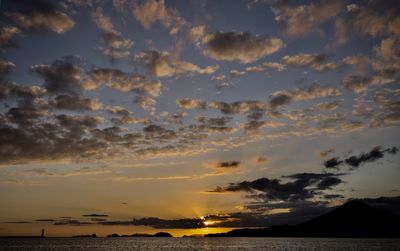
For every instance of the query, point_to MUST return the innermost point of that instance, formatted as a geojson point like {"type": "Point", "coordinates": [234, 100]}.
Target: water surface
{"type": "Point", "coordinates": [189, 244]}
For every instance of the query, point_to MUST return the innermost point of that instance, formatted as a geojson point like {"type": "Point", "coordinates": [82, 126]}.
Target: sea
{"type": "Point", "coordinates": [189, 244]}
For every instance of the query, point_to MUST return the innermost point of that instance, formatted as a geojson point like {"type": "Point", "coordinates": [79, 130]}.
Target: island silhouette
{"type": "Point", "coordinates": [159, 234]}
{"type": "Point", "coordinates": [354, 219]}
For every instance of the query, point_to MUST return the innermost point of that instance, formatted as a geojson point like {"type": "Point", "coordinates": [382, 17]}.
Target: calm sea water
{"type": "Point", "coordinates": [189, 244]}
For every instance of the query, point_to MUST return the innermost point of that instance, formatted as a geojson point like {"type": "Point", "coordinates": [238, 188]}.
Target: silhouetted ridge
{"type": "Point", "coordinates": [352, 219]}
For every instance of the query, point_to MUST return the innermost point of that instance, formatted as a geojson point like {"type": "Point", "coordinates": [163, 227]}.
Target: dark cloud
{"type": "Point", "coordinates": [228, 164]}
{"type": "Point", "coordinates": [304, 186]}
{"type": "Point", "coordinates": [95, 215]}
{"type": "Point", "coordinates": [69, 75]}
{"type": "Point", "coordinates": [12, 90]}
{"type": "Point", "coordinates": [119, 80]}
{"type": "Point", "coordinates": [32, 16]}
{"type": "Point", "coordinates": [242, 47]}
{"type": "Point", "coordinates": [355, 161]}
{"type": "Point", "coordinates": [45, 220]}
{"type": "Point", "coordinates": [239, 106]}
{"type": "Point", "coordinates": [75, 103]}
{"type": "Point", "coordinates": [159, 223]}
{"type": "Point", "coordinates": [72, 223]}
{"type": "Point", "coordinates": [158, 132]}
{"type": "Point", "coordinates": [333, 196]}
{"type": "Point", "coordinates": [332, 163]}
{"type": "Point", "coordinates": [314, 91]}
{"type": "Point", "coordinates": [65, 75]}
{"type": "Point", "coordinates": [373, 155]}
{"type": "Point", "coordinates": [214, 125]}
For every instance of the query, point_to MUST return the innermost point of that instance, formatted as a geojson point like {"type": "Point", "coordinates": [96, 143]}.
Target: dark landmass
{"type": "Point", "coordinates": [159, 234]}
{"type": "Point", "coordinates": [193, 236]}
{"type": "Point", "coordinates": [86, 236]}
{"type": "Point", "coordinates": [353, 219]}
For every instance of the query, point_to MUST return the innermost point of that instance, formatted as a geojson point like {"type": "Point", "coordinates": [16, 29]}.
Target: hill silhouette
{"type": "Point", "coordinates": [352, 219]}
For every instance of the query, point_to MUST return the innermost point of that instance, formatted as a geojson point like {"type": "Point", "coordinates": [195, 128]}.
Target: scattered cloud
{"type": "Point", "coordinates": [163, 64]}
{"type": "Point", "coordinates": [242, 47]}
{"type": "Point", "coordinates": [187, 103]}
{"type": "Point", "coordinates": [302, 20]}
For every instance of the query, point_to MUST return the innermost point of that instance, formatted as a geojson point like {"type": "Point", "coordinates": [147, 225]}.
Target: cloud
{"type": "Point", "coordinates": [188, 103]}
{"type": "Point", "coordinates": [163, 64]}
{"type": "Point", "coordinates": [158, 132]}
{"type": "Point", "coordinates": [238, 107]}
{"type": "Point", "coordinates": [150, 12]}
{"type": "Point", "coordinates": [355, 161]}
{"type": "Point", "coordinates": [265, 66]}
{"type": "Point", "coordinates": [242, 47]}
{"type": "Point", "coordinates": [84, 171]}
{"type": "Point", "coordinates": [159, 223]}
{"type": "Point", "coordinates": [130, 120]}
{"type": "Point", "coordinates": [262, 159]}
{"type": "Point", "coordinates": [45, 220]}
{"type": "Point", "coordinates": [65, 75]}
{"type": "Point", "coordinates": [58, 138]}
{"type": "Point", "coordinates": [35, 21]}
{"type": "Point", "coordinates": [72, 222]}
{"type": "Point", "coordinates": [254, 125]}
{"type": "Point", "coordinates": [76, 103]}
{"type": "Point", "coordinates": [304, 19]}
{"type": "Point", "coordinates": [224, 164]}
{"type": "Point", "coordinates": [360, 84]}
{"type": "Point", "coordinates": [374, 18]}
{"type": "Point", "coordinates": [6, 35]}
{"type": "Point", "coordinates": [124, 82]}
{"type": "Point", "coordinates": [118, 110]}
{"type": "Point", "coordinates": [11, 90]}
{"type": "Point", "coordinates": [387, 49]}
{"type": "Point", "coordinates": [375, 154]}
{"type": "Point", "coordinates": [95, 215]}
{"type": "Point", "coordinates": [315, 61]}
{"type": "Point", "coordinates": [196, 33]}
{"type": "Point", "coordinates": [304, 186]}
{"type": "Point", "coordinates": [146, 102]}
{"type": "Point", "coordinates": [117, 46]}
{"type": "Point", "coordinates": [68, 76]}
{"type": "Point", "coordinates": [5, 67]}
{"type": "Point", "coordinates": [326, 152]}
{"type": "Point", "coordinates": [280, 98]}
{"type": "Point", "coordinates": [76, 121]}
{"type": "Point", "coordinates": [214, 125]}
{"type": "Point", "coordinates": [341, 32]}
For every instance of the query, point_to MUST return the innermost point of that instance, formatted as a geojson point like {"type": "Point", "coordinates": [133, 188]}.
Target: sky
{"type": "Point", "coordinates": [197, 116]}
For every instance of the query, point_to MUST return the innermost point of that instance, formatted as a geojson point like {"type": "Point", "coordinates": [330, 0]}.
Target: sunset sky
{"type": "Point", "coordinates": [194, 116]}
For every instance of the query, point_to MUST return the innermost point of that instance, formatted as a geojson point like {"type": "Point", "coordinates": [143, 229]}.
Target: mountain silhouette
{"type": "Point", "coordinates": [353, 219]}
